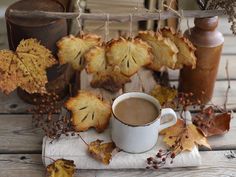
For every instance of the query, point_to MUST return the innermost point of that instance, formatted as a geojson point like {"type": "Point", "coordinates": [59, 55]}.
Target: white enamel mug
{"type": "Point", "coordinates": [141, 138]}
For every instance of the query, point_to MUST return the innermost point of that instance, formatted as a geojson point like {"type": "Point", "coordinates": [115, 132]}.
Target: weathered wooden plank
{"type": "Point", "coordinates": [16, 165]}
{"type": "Point", "coordinates": [12, 104]}
{"type": "Point", "coordinates": [219, 94]}
{"type": "Point", "coordinates": [17, 135]}
{"type": "Point", "coordinates": [220, 91]}
{"type": "Point", "coordinates": [174, 74]}
{"type": "Point", "coordinates": [214, 163]}
{"type": "Point", "coordinates": [229, 45]}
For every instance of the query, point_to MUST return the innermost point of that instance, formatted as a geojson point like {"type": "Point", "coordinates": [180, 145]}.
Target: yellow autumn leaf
{"type": "Point", "coordinates": [183, 137]}
{"type": "Point", "coordinates": [101, 151]}
{"type": "Point", "coordinates": [164, 95]}
{"type": "Point", "coordinates": [61, 168]}
{"type": "Point", "coordinates": [25, 68]}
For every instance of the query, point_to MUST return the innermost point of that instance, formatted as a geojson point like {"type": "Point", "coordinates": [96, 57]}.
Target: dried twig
{"type": "Point", "coordinates": [124, 17]}
{"type": "Point", "coordinates": [228, 88]}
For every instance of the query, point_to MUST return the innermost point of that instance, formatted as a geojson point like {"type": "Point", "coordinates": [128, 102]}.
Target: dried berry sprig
{"type": "Point", "coordinates": [202, 4]}
{"type": "Point", "coordinates": [160, 159]}
{"type": "Point", "coordinates": [50, 116]}
{"type": "Point", "coordinates": [228, 6]}
{"type": "Point", "coordinates": [230, 9]}
{"type": "Point", "coordinates": [183, 102]}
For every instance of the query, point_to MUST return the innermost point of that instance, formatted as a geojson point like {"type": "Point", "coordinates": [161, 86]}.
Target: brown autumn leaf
{"type": "Point", "coordinates": [112, 81]}
{"type": "Point", "coordinates": [25, 68]}
{"type": "Point", "coordinates": [186, 135]}
{"type": "Point", "coordinates": [211, 124]}
{"type": "Point", "coordinates": [101, 151]}
{"type": "Point", "coordinates": [165, 95]}
{"type": "Point", "coordinates": [61, 168]}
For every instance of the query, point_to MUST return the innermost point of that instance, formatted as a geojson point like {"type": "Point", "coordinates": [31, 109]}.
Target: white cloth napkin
{"type": "Point", "coordinates": [73, 148]}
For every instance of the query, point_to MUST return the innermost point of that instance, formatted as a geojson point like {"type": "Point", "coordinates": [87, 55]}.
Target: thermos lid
{"type": "Point", "coordinates": [29, 5]}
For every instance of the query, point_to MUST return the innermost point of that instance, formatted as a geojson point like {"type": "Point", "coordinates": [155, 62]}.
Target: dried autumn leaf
{"type": "Point", "coordinates": [61, 168]}
{"type": "Point", "coordinates": [187, 135]}
{"type": "Point", "coordinates": [71, 49]}
{"type": "Point", "coordinates": [101, 151]}
{"type": "Point", "coordinates": [26, 68]}
{"type": "Point", "coordinates": [211, 124]}
{"type": "Point", "coordinates": [110, 80]}
{"type": "Point", "coordinates": [163, 49]}
{"type": "Point", "coordinates": [96, 59]}
{"type": "Point", "coordinates": [88, 110]}
{"type": "Point", "coordinates": [165, 95]}
{"type": "Point", "coordinates": [129, 55]}
{"type": "Point", "coordinates": [186, 49]}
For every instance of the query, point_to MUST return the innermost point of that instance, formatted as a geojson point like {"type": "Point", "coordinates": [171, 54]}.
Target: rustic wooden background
{"type": "Point", "coordinates": [20, 142]}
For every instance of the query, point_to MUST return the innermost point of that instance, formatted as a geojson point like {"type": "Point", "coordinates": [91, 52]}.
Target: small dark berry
{"type": "Point", "coordinates": [155, 167]}
{"type": "Point", "coordinates": [158, 155]}
{"type": "Point", "coordinates": [155, 162]}
{"type": "Point", "coordinates": [172, 155]}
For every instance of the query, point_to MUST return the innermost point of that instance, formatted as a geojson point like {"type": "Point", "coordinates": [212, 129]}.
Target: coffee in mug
{"type": "Point", "coordinates": [136, 121]}
{"type": "Point", "coordinates": [136, 111]}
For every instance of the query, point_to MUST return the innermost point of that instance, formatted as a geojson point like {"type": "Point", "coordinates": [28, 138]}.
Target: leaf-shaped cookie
{"type": "Point", "coordinates": [61, 168]}
{"type": "Point", "coordinates": [89, 111]}
{"type": "Point", "coordinates": [26, 68]}
{"type": "Point", "coordinates": [96, 59]}
{"type": "Point", "coordinates": [164, 50]}
{"type": "Point", "coordinates": [111, 80]}
{"type": "Point", "coordinates": [101, 151]}
{"type": "Point", "coordinates": [186, 49]}
{"type": "Point", "coordinates": [129, 55]}
{"type": "Point", "coordinates": [71, 49]}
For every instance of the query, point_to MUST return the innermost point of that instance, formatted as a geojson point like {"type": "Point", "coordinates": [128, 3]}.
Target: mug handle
{"type": "Point", "coordinates": [170, 113]}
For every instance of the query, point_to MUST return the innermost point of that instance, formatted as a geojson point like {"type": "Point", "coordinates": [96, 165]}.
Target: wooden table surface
{"type": "Point", "coordinates": [21, 143]}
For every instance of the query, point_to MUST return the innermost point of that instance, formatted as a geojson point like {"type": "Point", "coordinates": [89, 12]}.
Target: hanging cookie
{"type": "Point", "coordinates": [71, 49]}
{"type": "Point", "coordinates": [129, 54]}
{"type": "Point", "coordinates": [163, 49]}
{"type": "Point", "coordinates": [186, 49]}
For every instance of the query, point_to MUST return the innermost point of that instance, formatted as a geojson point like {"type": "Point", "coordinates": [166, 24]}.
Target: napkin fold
{"type": "Point", "coordinates": [73, 148]}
